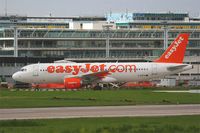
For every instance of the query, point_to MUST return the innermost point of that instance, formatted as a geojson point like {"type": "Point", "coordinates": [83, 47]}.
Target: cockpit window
{"type": "Point", "coordinates": [23, 69]}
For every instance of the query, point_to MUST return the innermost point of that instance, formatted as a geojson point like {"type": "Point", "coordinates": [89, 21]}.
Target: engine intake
{"type": "Point", "coordinates": [73, 83]}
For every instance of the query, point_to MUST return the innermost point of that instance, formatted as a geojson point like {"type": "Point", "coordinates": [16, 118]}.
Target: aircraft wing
{"type": "Point", "coordinates": [174, 68]}
{"type": "Point", "coordinates": [91, 77]}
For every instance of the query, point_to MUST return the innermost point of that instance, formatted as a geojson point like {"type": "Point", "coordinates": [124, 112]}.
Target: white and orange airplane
{"type": "Point", "coordinates": [73, 75]}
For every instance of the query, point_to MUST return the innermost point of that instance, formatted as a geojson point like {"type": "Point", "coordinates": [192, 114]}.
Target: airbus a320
{"type": "Point", "coordinates": [73, 75]}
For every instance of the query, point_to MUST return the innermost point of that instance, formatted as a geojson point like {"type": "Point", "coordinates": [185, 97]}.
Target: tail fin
{"type": "Point", "coordinates": [176, 51]}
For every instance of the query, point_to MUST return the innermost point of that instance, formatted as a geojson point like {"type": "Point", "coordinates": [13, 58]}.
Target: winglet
{"type": "Point", "coordinates": [176, 51]}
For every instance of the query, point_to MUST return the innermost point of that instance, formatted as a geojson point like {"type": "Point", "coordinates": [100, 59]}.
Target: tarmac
{"type": "Point", "coordinates": [100, 111]}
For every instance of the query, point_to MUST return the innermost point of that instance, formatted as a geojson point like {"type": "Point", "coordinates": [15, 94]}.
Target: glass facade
{"type": "Point", "coordinates": [92, 43]}
{"type": "Point", "coordinates": [160, 16]}
{"type": "Point", "coordinates": [130, 17]}
{"type": "Point", "coordinates": [159, 25]}
{"type": "Point", "coordinates": [51, 37]}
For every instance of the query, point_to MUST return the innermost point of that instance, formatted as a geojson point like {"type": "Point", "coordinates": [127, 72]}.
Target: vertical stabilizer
{"type": "Point", "coordinates": [176, 51]}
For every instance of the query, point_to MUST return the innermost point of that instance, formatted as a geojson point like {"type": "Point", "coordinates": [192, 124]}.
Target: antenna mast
{"type": "Point", "coordinates": [6, 13]}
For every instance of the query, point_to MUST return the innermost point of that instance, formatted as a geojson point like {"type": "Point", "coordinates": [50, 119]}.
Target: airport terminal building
{"type": "Point", "coordinates": [129, 36]}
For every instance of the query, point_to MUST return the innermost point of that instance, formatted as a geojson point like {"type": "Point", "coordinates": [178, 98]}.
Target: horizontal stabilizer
{"type": "Point", "coordinates": [174, 68]}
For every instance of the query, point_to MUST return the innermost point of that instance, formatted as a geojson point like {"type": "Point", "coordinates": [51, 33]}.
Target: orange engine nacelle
{"type": "Point", "coordinates": [73, 83]}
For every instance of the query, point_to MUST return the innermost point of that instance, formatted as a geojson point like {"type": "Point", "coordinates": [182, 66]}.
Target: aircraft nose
{"type": "Point", "coordinates": [16, 76]}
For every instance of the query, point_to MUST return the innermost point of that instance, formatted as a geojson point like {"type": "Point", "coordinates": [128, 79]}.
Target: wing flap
{"type": "Point", "coordinates": [92, 77]}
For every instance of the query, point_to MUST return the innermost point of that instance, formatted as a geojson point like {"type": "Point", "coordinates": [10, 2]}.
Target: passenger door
{"type": "Point", "coordinates": [36, 70]}
{"type": "Point", "coordinates": [154, 70]}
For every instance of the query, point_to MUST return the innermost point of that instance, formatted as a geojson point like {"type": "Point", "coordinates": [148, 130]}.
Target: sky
{"type": "Point", "coordinates": [61, 8]}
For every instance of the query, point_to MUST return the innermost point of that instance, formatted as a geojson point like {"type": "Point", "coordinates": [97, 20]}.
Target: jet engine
{"type": "Point", "coordinates": [72, 83]}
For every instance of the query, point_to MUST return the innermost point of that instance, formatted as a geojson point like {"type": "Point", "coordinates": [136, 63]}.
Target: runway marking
{"type": "Point", "coordinates": [100, 111]}
{"type": "Point", "coordinates": [181, 91]}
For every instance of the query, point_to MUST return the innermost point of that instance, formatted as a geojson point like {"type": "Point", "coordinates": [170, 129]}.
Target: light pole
{"type": "Point", "coordinates": [15, 42]}
{"type": "Point", "coordinates": [166, 30]}
{"type": "Point", "coordinates": [107, 27]}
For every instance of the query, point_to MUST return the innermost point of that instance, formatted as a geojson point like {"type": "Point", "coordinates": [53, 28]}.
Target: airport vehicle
{"type": "Point", "coordinates": [73, 75]}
